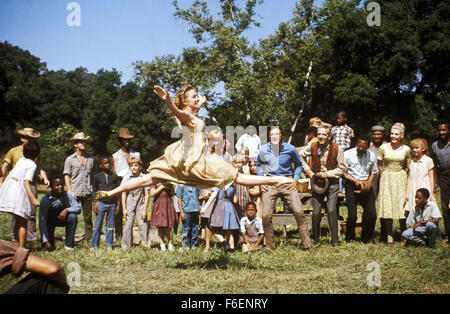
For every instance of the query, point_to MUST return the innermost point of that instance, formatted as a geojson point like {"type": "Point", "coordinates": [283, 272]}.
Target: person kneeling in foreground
{"type": "Point", "coordinates": [46, 277]}
{"type": "Point", "coordinates": [251, 229]}
{"type": "Point", "coordinates": [424, 220]}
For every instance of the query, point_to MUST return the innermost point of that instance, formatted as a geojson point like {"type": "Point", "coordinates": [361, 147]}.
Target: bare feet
{"type": "Point", "coordinates": [101, 195]}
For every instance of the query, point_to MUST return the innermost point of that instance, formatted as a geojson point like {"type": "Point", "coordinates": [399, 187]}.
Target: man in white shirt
{"type": "Point", "coordinates": [361, 169]}
{"type": "Point", "coordinates": [121, 168]}
{"type": "Point", "coordinates": [250, 140]}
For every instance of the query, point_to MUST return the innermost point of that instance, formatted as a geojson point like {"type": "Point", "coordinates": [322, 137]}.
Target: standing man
{"type": "Point", "coordinates": [10, 160]}
{"type": "Point", "coordinates": [78, 176]}
{"type": "Point", "coordinates": [326, 162]}
{"type": "Point", "coordinates": [361, 169]}
{"type": "Point", "coordinates": [250, 140]}
{"type": "Point", "coordinates": [377, 141]}
{"type": "Point", "coordinates": [121, 168]}
{"type": "Point", "coordinates": [440, 151]}
{"type": "Point", "coordinates": [275, 159]}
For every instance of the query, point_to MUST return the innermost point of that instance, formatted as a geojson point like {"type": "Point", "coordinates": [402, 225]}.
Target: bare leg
{"type": "Point", "coordinates": [161, 233]}
{"type": "Point", "coordinates": [252, 180]}
{"type": "Point", "coordinates": [20, 230]}
{"type": "Point", "coordinates": [208, 235]}
{"type": "Point", "coordinates": [169, 235]}
{"type": "Point", "coordinates": [131, 185]}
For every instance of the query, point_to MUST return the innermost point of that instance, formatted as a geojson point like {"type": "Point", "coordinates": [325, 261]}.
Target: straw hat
{"type": "Point", "coordinates": [365, 187]}
{"type": "Point", "coordinates": [29, 132]}
{"type": "Point", "coordinates": [319, 185]}
{"type": "Point", "coordinates": [125, 133]}
{"type": "Point", "coordinates": [80, 137]}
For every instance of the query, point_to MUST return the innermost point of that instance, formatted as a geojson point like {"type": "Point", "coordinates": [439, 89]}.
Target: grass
{"type": "Point", "coordinates": [286, 270]}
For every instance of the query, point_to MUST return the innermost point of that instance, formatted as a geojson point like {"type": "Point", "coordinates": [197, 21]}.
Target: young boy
{"type": "Point", "coordinates": [189, 205]}
{"type": "Point", "coordinates": [135, 204]}
{"type": "Point", "coordinates": [251, 229]}
{"type": "Point", "coordinates": [105, 180]}
{"type": "Point", "coordinates": [342, 133]}
{"type": "Point", "coordinates": [424, 221]}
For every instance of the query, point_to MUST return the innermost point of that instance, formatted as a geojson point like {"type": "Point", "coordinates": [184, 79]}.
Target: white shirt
{"type": "Point", "coordinates": [429, 212]}
{"type": "Point", "coordinates": [121, 163]}
{"type": "Point", "coordinates": [252, 142]}
{"type": "Point", "coordinates": [246, 221]}
{"type": "Point", "coordinates": [360, 167]}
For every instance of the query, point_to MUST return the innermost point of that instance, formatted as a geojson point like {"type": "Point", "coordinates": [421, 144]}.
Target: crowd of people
{"type": "Point", "coordinates": [228, 195]}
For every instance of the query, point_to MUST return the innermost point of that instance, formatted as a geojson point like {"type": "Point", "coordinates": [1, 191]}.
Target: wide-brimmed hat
{"type": "Point", "coordinates": [80, 137]}
{"type": "Point", "coordinates": [319, 185]}
{"type": "Point", "coordinates": [365, 187]}
{"type": "Point", "coordinates": [125, 133]}
{"type": "Point", "coordinates": [29, 132]}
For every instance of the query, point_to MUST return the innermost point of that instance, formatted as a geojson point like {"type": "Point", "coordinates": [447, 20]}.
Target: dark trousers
{"type": "Point", "coordinates": [71, 226]}
{"type": "Point", "coordinates": [318, 203]}
{"type": "Point", "coordinates": [369, 217]}
{"type": "Point", "coordinates": [35, 284]}
{"type": "Point", "coordinates": [444, 185]}
{"type": "Point", "coordinates": [86, 205]}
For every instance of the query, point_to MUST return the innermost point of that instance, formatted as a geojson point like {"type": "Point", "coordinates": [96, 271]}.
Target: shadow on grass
{"type": "Point", "coordinates": [219, 262]}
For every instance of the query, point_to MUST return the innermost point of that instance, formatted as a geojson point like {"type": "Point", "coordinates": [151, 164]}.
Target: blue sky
{"type": "Point", "coordinates": [113, 33]}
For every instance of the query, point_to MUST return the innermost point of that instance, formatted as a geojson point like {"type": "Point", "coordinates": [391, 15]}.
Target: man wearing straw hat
{"type": "Point", "coordinates": [78, 174]}
{"type": "Point", "coordinates": [10, 160]}
{"type": "Point", "coordinates": [121, 168]}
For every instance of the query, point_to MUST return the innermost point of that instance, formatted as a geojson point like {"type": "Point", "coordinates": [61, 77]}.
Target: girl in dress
{"type": "Point", "coordinates": [164, 216]}
{"type": "Point", "coordinates": [420, 172]}
{"type": "Point", "coordinates": [186, 161]}
{"type": "Point", "coordinates": [16, 196]}
{"type": "Point", "coordinates": [393, 160]}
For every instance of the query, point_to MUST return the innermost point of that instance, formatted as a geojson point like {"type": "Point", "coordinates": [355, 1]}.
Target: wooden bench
{"type": "Point", "coordinates": [289, 219]}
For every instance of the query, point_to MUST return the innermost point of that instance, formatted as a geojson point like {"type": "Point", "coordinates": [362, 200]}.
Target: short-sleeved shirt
{"type": "Point", "coordinates": [252, 142]}
{"type": "Point", "coordinates": [360, 167]}
{"type": "Point", "coordinates": [121, 164]}
{"type": "Point", "coordinates": [13, 156]}
{"type": "Point", "coordinates": [342, 135]}
{"type": "Point", "coordinates": [12, 258]}
{"type": "Point", "coordinates": [106, 182]}
{"type": "Point", "coordinates": [245, 221]}
{"type": "Point", "coordinates": [441, 156]}
{"type": "Point", "coordinates": [189, 198]}
{"type": "Point", "coordinates": [430, 211]}
{"type": "Point", "coordinates": [81, 177]}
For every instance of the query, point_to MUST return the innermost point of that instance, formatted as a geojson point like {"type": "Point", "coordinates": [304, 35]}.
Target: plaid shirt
{"type": "Point", "coordinates": [81, 177]}
{"type": "Point", "coordinates": [342, 135]}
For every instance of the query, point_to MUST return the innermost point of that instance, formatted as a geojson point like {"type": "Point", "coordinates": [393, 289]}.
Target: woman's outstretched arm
{"type": "Point", "coordinates": [128, 186]}
{"type": "Point", "coordinates": [165, 96]}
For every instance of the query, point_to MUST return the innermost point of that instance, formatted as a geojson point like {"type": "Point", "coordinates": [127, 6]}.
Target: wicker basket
{"type": "Point", "coordinates": [302, 185]}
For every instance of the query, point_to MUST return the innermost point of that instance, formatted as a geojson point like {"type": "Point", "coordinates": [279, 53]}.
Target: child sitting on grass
{"type": "Point", "coordinates": [424, 221]}
{"type": "Point", "coordinates": [251, 229]}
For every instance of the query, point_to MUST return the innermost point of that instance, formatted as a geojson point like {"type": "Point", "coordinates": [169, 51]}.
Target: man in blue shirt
{"type": "Point", "coordinates": [58, 208]}
{"type": "Point", "coordinates": [275, 159]}
{"type": "Point", "coordinates": [189, 206]}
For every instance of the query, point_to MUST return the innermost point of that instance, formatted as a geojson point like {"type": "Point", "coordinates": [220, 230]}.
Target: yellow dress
{"type": "Point", "coordinates": [185, 162]}
{"type": "Point", "coordinates": [393, 182]}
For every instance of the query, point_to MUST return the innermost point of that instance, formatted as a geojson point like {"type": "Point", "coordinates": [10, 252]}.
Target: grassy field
{"type": "Point", "coordinates": [285, 270]}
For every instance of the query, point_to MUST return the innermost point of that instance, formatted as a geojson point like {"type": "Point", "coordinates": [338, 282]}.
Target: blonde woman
{"type": "Point", "coordinates": [393, 160]}
{"type": "Point", "coordinates": [186, 162]}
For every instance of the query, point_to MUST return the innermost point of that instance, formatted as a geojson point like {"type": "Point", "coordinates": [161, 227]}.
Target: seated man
{"type": "Point", "coordinates": [424, 221]}
{"type": "Point", "coordinates": [58, 209]}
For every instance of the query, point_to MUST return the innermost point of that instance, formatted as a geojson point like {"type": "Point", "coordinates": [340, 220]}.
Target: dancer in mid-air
{"type": "Point", "coordinates": [186, 161]}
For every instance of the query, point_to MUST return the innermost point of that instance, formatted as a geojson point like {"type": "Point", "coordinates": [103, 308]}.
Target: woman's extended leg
{"type": "Point", "coordinates": [130, 185]}
{"type": "Point", "coordinates": [252, 180]}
